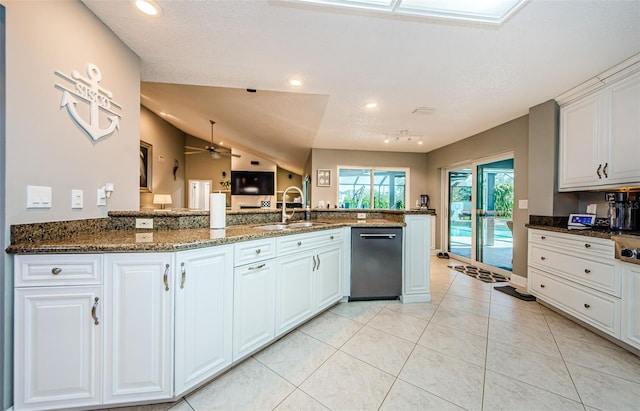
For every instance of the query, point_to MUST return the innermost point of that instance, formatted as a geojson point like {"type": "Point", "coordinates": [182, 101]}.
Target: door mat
{"type": "Point", "coordinates": [507, 289]}
{"type": "Point", "coordinates": [480, 274]}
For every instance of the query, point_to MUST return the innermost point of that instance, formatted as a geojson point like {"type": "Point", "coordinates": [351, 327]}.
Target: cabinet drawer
{"type": "Point", "coordinates": [600, 310]}
{"type": "Point", "coordinates": [600, 275]}
{"type": "Point", "coordinates": [57, 270]}
{"type": "Point", "coordinates": [591, 246]}
{"type": "Point", "coordinates": [302, 242]}
{"type": "Point", "coordinates": [252, 251]}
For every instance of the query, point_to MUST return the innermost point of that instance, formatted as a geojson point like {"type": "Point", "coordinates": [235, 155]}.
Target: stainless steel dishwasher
{"type": "Point", "coordinates": [376, 263]}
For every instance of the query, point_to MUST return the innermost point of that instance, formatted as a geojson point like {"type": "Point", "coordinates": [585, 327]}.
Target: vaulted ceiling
{"type": "Point", "coordinates": [200, 57]}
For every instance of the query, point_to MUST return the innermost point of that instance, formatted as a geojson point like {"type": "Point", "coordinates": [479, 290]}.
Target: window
{"type": "Point", "coordinates": [372, 188]}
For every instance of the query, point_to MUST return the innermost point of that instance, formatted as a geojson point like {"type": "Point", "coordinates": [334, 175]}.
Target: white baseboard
{"type": "Point", "coordinates": [518, 280]}
{"type": "Point", "coordinates": [416, 298]}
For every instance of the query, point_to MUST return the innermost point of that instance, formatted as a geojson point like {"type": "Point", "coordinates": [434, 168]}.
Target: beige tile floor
{"type": "Point", "coordinates": [472, 348]}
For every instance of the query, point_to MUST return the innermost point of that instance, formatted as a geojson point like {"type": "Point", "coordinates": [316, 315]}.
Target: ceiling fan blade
{"type": "Point", "coordinates": [195, 148]}
{"type": "Point", "coordinates": [193, 152]}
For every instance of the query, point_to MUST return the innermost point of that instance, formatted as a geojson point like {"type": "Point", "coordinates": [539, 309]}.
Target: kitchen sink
{"type": "Point", "coordinates": [301, 224]}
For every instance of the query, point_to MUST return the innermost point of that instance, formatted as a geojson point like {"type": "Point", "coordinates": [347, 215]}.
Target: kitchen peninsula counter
{"type": "Point", "coordinates": [177, 230]}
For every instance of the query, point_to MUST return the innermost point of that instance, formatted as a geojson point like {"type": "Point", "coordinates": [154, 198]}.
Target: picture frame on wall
{"type": "Point", "coordinates": [323, 178]}
{"type": "Point", "coordinates": [146, 157]}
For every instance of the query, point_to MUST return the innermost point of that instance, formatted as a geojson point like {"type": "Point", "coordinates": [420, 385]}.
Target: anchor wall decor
{"type": "Point", "coordinates": [99, 99]}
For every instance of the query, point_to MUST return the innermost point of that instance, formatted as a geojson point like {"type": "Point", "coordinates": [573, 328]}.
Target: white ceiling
{"type": "Point", "coordinates": [198, 58]}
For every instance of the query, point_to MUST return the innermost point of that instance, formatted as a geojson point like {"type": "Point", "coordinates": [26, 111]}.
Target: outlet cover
{"type": "Point", "coordinates": [523, 204]}
{"type": "Point", "coordinates": [362, 216]}
{"type": "Point", "coordinates": [144, 223]}
{"type": "Point", "coordinates": [77, 199]}
{"type": "Point", "coordinates": [39, 197]}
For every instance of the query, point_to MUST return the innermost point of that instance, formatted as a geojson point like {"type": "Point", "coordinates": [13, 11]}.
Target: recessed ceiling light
{"type": "Point", "coordinates": [148, 7]}
{"type": "Point", "coordinates": [371, 104]}
{"type": "Point", "coordinates": [295, 82]}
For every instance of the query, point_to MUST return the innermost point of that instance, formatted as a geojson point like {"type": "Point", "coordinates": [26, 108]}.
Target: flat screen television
{"type": "Point", "coordinates": [252, 183]}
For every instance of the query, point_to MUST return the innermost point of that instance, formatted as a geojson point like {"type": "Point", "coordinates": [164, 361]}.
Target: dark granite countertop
{"type": "Point", "coordinates": [598, 233]}
{"type": "Point", "coordinates": [112, 240]}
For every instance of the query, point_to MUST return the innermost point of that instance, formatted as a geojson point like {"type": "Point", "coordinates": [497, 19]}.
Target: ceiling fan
{"type": "Point", "coordinates": [216, 152]}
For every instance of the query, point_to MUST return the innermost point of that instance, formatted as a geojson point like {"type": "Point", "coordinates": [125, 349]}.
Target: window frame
{"type": "Point", "coordinates": [372, 186]}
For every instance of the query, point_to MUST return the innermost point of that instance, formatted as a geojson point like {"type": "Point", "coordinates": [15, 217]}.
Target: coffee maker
{"type": "Point", "coordinates": [424, 201]}
{"type": "Point", "coordinates": [623, 210]}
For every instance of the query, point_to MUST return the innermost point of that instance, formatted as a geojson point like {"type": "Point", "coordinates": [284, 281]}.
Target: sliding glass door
{"type": "Point", "coordinates": [480, 209]}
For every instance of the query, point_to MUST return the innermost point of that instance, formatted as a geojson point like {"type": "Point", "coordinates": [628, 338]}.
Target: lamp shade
{"type": "Point", "coordinates": [162, 199]}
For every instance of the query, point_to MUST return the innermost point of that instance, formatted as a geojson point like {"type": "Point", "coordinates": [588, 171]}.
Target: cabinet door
{"type": "Point", "coordinates": [581, 129]}
{"type": "Point", "coordinates": [623, 166]}
{"type": "Point", "coordinates": [417, 258]}
{"type": "Point", "coordinates": [253, 307]}
{"type": "Point", "coordinates": [328, 276]}
{"type": "Point", "coordinates": [139, 324]}
{"type": "Point", "coordinates": [294, 290]}
{"type": "Point", "coordinates": [58, 347]}
{"type": "Point", "coordinates": [631, 302]}
{"type": "Point", "coordinates": [204, 304]}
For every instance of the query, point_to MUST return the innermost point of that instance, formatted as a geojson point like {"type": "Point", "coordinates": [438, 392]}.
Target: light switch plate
{"type": "Point", "coordinates": [523, 204]}
{"type": "Point", "coordinates": [39, 197]}
{"type": "Point", "coordinates": [77, 198]}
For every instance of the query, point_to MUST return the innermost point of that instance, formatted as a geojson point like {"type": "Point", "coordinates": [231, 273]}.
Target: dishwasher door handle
{"type": "Point", "coordinates": [388, 236]}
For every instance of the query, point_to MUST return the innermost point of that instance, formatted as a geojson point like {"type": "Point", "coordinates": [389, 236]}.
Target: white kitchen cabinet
{"type": "Point", "coordinates": [308, 276]}
{"type": "Point", "coordinates": [203, 289]}
{"type": "Point", "coordinates": [576, 274]}
{"type": "Point", "coordinates": [294, 290]}
{"type": "Point", "coordinates": [138, 327]}
{"type": "Point", "coordinates": [599, 138]}
{"type": "Point", "coordinates": [328, 279]}
{"type": "Point", "coordinates": [417, 258]}
{"type": "Point", "coordinates": [58, 347]}
{"type": "Point", "coordinates": [253, 304]}
{"type": "Point", "coordinates": [631, 304]}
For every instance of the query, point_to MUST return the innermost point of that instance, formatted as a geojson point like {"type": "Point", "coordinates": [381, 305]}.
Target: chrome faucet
{"type": "Point", "coordinates": [285, 216]}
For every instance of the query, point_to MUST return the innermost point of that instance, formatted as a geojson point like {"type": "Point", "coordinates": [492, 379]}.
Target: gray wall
{"type": "Point", "coordinates": [511, 136]}
{"type": "Point", "coordinates": [330, 159]}
{"type": "Point", "coordinates": [544, 198]}
{"type": "Point", "coordinates": [43, 146]}
{"type": "Point", "coordinates": [168, 147]}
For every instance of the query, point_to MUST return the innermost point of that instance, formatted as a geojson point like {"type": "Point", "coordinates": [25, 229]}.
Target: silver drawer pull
{"type": "Point", "coordinates": [258, 251]}
{"type": "Point", "coordinates": [331, 238]}
{"type": "Point", "coordinates": [587, 306]}
{"type": "Point", "coordinates": [93, 311]}
{"type": "Point", "coordinates": [184, 276]}
{"type": "Point", "coordinates": [299, 243]}
{"type": "Point", "coordinates": [587, 271]}
{"type": "Point", "coordinates": [543, 258]}
{"type": "Point", "coordinates": [587, 245]}
{"type": "Point", "coordinates": [166, 277]}
{"type": "Point", "coordinates": [56, 270]}
{"type": "Point", "coordinates": [258, 267]}
{"type": "Point", "coordinates": [542, 285]}
{"type": "Point", "coordinates": [543, 238]}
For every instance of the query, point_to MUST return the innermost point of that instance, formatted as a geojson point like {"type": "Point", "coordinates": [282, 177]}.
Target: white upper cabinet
{"type": "Point", "coordinates": [599, 136]}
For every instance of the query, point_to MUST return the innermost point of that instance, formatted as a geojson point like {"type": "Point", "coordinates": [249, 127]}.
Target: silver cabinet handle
{"type": "Point", "coordinates": [543, 237]}
{"type": "Point", "coordinates": [93, 311]}
{"type": "Point", "coordinates": [318, 267]}
{"type": "Point", "coordinates": [604, 170]}
{"type": "Point", "coordinates": [598, 171]}
{"type": "Point", "coordinates": [166, 277]}
{"type": "Point", "coordinates": [543, 258]}
{"type": "Point", "coordinates": [56, 270]}
{"type": "Point", "coordinates": [587, 271]}
{"type": "Point", "coordinates": [299, 243]}
{"type": "Point", "coordinates": [587, 245]}
{"type": "Point", "coordinates": [389, 236]}
{"type": "Point", "coordinates": [314, 263]}
{"type": "Point", "coordinates": [258, 251]}
{"type": "Point", "coordinates": [331, 238]}
{"type": "Point", "coordinates": [184, 276]}
{"type": "Point", "coordinates": [542, 285]}
{"type": "Point", "coordinates": [587, 306]}
{"type": "Point", "coordinates": [258, 267]}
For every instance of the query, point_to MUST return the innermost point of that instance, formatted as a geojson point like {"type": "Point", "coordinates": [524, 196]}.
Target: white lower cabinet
{"type": "Point", "coordinates": [58, 347]}
{"type": "Point", "coordinates": [417, 259]}
{"type": "Point", "coordinates": [631, 304]}
{"type": "Point", "coordinates": [253, 307]}
{"type": "Point", "coordinates": [328, 282]}
{"type": "Point", "coordinates": [294, 290]}
{"type": "Point", "coordinates": [578, 275]}
{"type": "Point", "coordinates": [203, 315]}
{"type": "Point", "coordinates": [138, 362]}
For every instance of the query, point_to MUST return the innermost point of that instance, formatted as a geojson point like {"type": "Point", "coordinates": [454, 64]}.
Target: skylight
{"type": "Point", "coordinates": [478, 11]}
